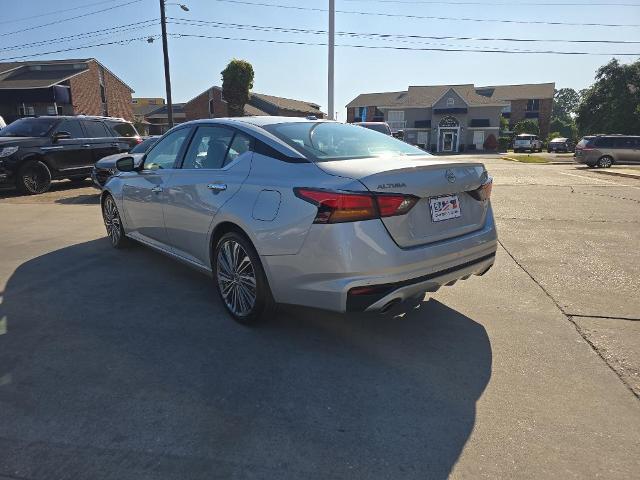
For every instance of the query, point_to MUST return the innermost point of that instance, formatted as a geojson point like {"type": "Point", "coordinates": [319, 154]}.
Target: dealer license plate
{"type": "Point", "coordinates": [444, 208]}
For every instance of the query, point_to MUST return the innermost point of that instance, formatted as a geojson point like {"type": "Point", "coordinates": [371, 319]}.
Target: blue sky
{"type": "Point", "coordinates": [301, 71]}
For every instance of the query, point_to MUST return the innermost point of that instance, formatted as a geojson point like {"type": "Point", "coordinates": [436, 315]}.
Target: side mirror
{"type": "Point", "coordinates": [61, 136]}
{"type": "Point", "coordinates": [125, 164]}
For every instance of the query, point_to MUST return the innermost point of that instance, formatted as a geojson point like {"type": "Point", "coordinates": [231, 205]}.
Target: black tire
{"type": "Point", "coordinates": [247, 295]}
{"type": "Point", "coordinates": [34, 177]}
{"type": "Point", "coordinates": [605, 161]}
{"type": "Point", "coordinates": [113, 223]}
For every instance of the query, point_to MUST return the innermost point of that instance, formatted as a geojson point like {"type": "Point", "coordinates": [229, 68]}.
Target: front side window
{"type": "Point", "coordinates": [208, 148]}
{"type": "Point", "coordinates": [72, 127]}
{"type": "Point", "coordinates": [326, 141]}
{"type": "Point", "coordinates": [163, 154]}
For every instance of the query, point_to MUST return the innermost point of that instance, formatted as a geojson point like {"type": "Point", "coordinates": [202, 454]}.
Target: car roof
{"type": "Point", "coordinates": [262, 121]}
{"type": "Point", "coordinates": [79, 117]}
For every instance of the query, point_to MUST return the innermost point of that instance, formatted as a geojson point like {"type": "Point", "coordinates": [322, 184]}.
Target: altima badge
{"type": "Point", "coordinates": [451, 177]}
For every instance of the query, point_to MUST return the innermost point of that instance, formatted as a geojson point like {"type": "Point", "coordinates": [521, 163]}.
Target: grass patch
{"type": "Point", "coordinates": [525, 158]}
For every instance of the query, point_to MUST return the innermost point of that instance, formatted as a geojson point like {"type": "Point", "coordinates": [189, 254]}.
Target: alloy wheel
{"type": "Point", "coordinates": [236, 278]}
{"type": "Point", "coordinates": [112, 220]}
{"type": "Point", "coordinates": [36, 178]}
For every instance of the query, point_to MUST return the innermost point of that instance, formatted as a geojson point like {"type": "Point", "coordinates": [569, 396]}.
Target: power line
{"type": "Point", "coordinates": [192, 22]}
{"type": "Point", "coordinates": [69, 18]}
{"type": "Point", "coordinates": [56, 12]}
{"type": "Point", "coordinates": [115, 42]}
{"type": "Point", "coordinates": [382, 47]}
{"type": "Point", "coordinates": [510, 4]}
{"type": "Point", "coordinates": [79, 36]}
{"type": "Point", "coordinates": [428, 17]}
{"type": "Point", "coordinates": [290, 42]}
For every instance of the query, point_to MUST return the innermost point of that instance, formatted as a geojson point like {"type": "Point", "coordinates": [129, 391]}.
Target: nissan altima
{"type": "Point", "coordinates": [304, 211]}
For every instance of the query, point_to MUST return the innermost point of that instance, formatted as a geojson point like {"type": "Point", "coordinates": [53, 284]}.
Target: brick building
{"type": "Point", "coordinates": [62, 87]}
{"type": "Point", "coordinates": [454, 118]}
{"type": "Point", "coordinates": [210, 104]}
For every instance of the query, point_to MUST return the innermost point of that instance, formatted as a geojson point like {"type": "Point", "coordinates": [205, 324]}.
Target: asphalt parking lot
{"type": "Point", "coordinates": [123, 364]}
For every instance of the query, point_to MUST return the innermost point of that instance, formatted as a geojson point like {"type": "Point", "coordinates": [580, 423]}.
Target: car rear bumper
{"type": "Point", "coordinates": [336, 259]}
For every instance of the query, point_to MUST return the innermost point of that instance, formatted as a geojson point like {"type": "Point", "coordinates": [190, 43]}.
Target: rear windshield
{"type": "Point", "coordinates": [583, 143]}
{"type": "Point", "coordinates": [325, 141]}
{"type": "Point", "coordinates": [558, 140]}
{"type": "Point", "coordinates": [143, 146]}
{"type": "Point", "coordinates": [123, 129]}
{"type": "Point", "coordinates": [29, 127]}
{"type": "Point", "coordinates": [525, 137]}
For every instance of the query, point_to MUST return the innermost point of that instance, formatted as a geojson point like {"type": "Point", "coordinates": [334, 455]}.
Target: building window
{"type": "Point", "coordinates": [212, 107]}
{"type": "Point", "coordinates": [450, 102]}
{"type": "Point", "coordinates": [26, 111]}
{"type": "Point", "coordinates": [507, 108]}
{"type": "Point", "coordinates": [449, 122]}
{"type": "Point", "coordinates": [533, 105]}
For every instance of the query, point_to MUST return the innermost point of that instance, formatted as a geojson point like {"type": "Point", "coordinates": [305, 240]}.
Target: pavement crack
{"type": "Point", "coordinates": [603, 317]}
{"type": "Point", "coordinates": [570, 318]}
{"type": "Point", "coordinates": [610, 196]}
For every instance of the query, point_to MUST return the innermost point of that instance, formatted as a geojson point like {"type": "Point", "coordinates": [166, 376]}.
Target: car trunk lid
{"type": "Point", "coordinates": [428, 179]}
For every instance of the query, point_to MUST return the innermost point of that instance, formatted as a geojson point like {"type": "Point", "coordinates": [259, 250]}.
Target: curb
{"type": "Point", "coordinates": [618, 174]}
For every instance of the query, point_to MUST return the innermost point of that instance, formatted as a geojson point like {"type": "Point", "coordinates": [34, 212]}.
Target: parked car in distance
{"type": "Point", "coordinates": [292, 210]}
{"type": "Point", "coordinates": [105, 167]}
{"type": "Point", "coordinates": [605, 150]}
{"type": "Point", "coordinates": [36, 150]}
{"type": "Point", "coordinates": [560, 145]}
{"type": "Point", "coordinates": [527, 141]}
{"type": "Point", "coordinates": [382, 127]}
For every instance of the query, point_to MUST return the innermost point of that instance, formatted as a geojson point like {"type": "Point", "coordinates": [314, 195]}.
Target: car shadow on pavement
{"type": "Point", "coordinates": [123, 364]}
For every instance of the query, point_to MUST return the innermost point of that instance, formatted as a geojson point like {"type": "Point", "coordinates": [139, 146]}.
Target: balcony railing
{"type": "Point", "coordinates": [396, 125]}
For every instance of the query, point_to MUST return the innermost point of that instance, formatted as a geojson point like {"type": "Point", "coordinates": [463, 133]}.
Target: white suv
{"type": "Point", "coordinates": [527, 141]}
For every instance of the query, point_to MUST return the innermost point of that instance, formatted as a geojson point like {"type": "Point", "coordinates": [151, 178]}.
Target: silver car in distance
{"type": "Point", "coordinates": [304, 211]}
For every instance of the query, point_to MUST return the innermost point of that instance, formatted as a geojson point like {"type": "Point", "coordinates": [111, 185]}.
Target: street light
{"type": "Point", "coordinates": [165, 52]}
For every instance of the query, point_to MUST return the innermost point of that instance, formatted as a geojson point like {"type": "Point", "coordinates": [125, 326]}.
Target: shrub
{"type": "Point", "coordinates": [503, 144]}
{"type": "Point", "coordinates": [490, 142]}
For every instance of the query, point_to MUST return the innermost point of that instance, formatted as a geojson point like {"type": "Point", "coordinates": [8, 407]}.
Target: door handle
{"type": "Point", "coordinates": [86, 145]}
{"type": "Point", "coordinates": [217, 187]}
{"type": "Point", "coordinates": [156, 189]}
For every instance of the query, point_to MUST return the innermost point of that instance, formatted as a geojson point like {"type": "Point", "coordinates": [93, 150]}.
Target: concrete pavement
{"type": "Point", "coordinates": [122, 364]}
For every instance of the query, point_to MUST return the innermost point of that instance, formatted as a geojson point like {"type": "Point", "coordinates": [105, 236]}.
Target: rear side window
{"type": "Point", "coordinates": [72, 127]}
{"type": "Point", "coordinates": [95, 129]}
{"type": "Point", "coordinates": [123, 129]}
{"type": "Point", "coordinates": [625, 142]}
{"type": "Point", "coordinates": [604, 142]}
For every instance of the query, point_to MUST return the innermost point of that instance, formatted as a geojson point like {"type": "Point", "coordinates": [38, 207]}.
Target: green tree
{"type": "Point", "coordinates": [504, 124]}
{"type": "Point", "coordinates": [612, 103]}
{"type": "Point", "coordinates": [237, 82]}
{"type": "Point", "coordinates": [566, 128]}
{"type": "Point", "coordinates": [526, 126]}
{"type": "Point", "coordinates": [565, 102]}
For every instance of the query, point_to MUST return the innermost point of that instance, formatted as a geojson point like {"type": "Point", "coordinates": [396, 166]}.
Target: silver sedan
{"type": "Point", "coordinates": [304, 211]}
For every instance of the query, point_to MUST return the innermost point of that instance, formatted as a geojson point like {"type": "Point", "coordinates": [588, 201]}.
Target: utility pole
{"type": "Point", "coordinates": [165, 51]}
{"type": "Point", "coordinates": [332, 46]}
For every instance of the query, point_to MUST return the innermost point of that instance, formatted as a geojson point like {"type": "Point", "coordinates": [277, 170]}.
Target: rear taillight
{"type": "Point", "coordinates": [483, 192]}
{"type": "Point", "coordinates": [339, 207]}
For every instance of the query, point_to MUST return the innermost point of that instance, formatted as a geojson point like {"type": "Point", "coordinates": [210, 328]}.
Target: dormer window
{"type": "Point", "coordinates": [450, 102]}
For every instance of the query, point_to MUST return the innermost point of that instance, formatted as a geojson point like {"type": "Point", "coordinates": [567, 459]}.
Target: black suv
{"type": "Point", "coordinates": [36, 150]}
